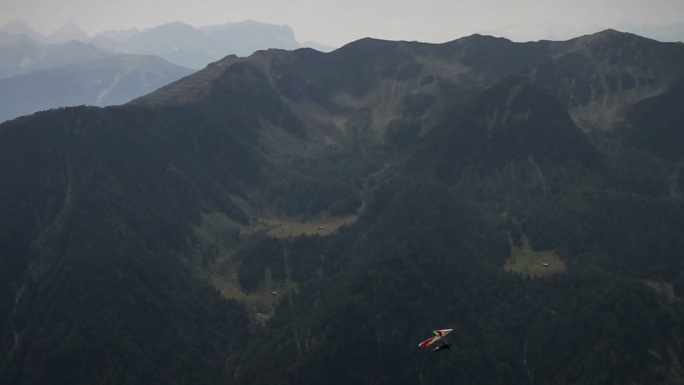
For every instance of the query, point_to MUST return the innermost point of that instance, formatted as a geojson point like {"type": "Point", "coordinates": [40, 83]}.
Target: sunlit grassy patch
{"type": "Point", "coordinates": [221, 236]}
{"type": "Point", "coordinates": [284, 228]}
{"type": "Point", "coordinates": [526, 261]}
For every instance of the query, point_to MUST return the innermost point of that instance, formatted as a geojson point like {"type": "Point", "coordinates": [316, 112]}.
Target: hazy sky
{"type": "Point", "coordinates": [336, 22]}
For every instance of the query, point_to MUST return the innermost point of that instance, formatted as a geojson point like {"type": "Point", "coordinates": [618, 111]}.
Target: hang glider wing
{"type": "Point", "coordinates": [429, 341]}
{"type": "Point", "coordinates": [439, 334]}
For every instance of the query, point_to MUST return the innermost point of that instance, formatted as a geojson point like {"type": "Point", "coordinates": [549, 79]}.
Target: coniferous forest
{"type": "Point", "coordinates": [296, 217]}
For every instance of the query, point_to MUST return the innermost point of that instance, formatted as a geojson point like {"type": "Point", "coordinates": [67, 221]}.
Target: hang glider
{"type": "Point", "coordinates": [439, 336]}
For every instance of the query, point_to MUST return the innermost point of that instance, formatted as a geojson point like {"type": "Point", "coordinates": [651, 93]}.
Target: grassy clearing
{"type": "Point", "coordinates": [261, 303]}
{"type": "Point", "coordinates": [218, 233]}
{"type": "Point", "coordinates": [532, 263]}
{"type": "Point", "coordinates": [285, 228]}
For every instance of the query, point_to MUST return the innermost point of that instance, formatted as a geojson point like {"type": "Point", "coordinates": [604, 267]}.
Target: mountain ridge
{"type": "Point", "coordinates": [157, 238]}
{"type": "Point", "coordinates": [586, 95]}
{"type": "Point", "coordinates": [109, 81]}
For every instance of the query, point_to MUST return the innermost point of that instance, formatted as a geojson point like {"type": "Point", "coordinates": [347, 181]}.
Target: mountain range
{"type": "Point", "coordinates": [192, 47]}
{"type": "Point", "coordinates": [301, 217]}
{"type": "Point", "coordinates": [177, 42]}
{"type": "Point", "coordinates": [108, 81]}
{"type": "Point", "coordinates": [20, 54]}
{"type": "Point", "coordinates": [70, 68]}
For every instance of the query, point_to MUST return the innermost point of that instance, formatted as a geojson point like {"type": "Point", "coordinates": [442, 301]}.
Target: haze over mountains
{"type": "Point", "coordinates": [109, 81]}
{"type": "Point", "coordinates": [301, 217]}
{"type": "Point", "coordinates": [76, 69]}
{"type": "Point", "coordinates": [177, 42]}
{"type": "Point", "coordinates": [23, 50]}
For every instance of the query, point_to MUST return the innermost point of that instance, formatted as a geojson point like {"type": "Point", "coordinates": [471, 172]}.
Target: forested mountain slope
{"type": "Point", "coordinates": [299, 217]}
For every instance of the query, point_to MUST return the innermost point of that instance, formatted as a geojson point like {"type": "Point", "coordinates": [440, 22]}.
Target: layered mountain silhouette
{"type": "Point", "coordinates": [110, 81]}
{"type": "Point", "coordinates": [303, 217]}
{"type": "Point", "coordinates": [192, 47]}
{"type": "Point", "coordinates": [177, 42]}
{"type": "Point", "coordinates": [20, 54]}
{"type": "Point", "coordinates": [70, 68]}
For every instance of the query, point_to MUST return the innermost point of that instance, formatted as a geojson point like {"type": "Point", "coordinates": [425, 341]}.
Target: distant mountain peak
{"type": "Point", "coordinates": [20, 27]}
{"type": "Point", "coordinates": [68, 32]}
{"type": "Point", "coordinates": [610, 39]}
{"type": "Point", "coordinates": [16, 25]}
{"type": "Point", "coordinates": [172, 26]}
{"type": "Point", "coordinates": [609, 34]}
